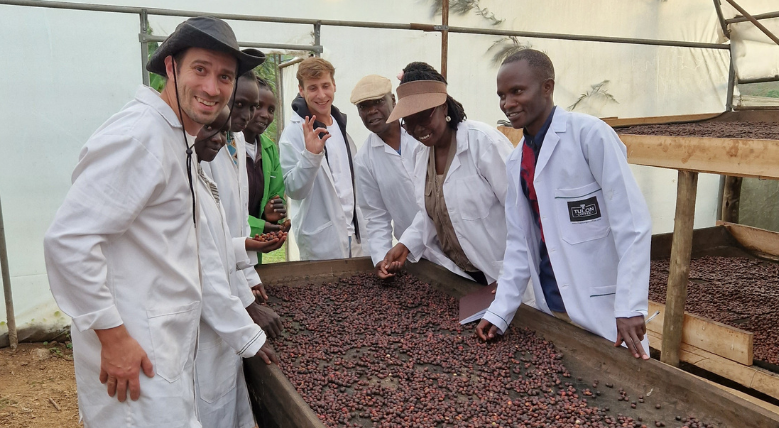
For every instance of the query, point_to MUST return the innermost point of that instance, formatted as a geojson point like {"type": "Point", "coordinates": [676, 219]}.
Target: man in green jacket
{"type": "Point", "coordinates": [266, 180]}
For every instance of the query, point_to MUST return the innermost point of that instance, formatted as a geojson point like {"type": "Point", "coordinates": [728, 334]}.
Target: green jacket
{"type": "Point", "coordinates": [274, 180]}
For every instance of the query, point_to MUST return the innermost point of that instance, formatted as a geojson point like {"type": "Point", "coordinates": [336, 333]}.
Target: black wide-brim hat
{"type": "Point", "coordinates": [204, 32]}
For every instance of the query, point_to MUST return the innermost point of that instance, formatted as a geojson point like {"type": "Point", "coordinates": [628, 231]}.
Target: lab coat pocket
{"type": "Point", "coordinates": [217, 370]}
{"type": "Point", "coordinates": [474, 198]}
{"type": "Point", "coordinates": [580, 213]}
{"type": "Point", "coordinates": [604, 290]}
{"type": "Point", "coordinates": [172, 333]}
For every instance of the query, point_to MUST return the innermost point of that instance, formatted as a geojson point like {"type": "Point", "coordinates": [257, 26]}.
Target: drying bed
{"type": "Point", "coordinates": [742, 292]}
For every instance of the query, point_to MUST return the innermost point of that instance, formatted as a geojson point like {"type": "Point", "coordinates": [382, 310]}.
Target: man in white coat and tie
{"type": "Point", "coordinates": [316, 155]}
{"type": "Point", "coordinates": [122, 255]}
{"type": "Point", "coordinates": [384, 169]}
{"type": "Point", "coordinates": [577, 223]}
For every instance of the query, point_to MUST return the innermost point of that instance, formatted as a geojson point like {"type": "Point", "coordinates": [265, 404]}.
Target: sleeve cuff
{"type": "Point", "coordinates": [252, 277]}
{"type": "Point", "coordinates": [629, 314]}
{"type": "Point", "coordinates": [415, 247]}
{"type": "Point", "coordinates": [242, 257]}
{"type": "Point", "coordinates": [253, 346]}
{"type": "Point", "coordinates": [496, 320]}
{"type": "Point", "coordinates": [311, 160]}
{"type": "Point", "coordinates": [99, 320]}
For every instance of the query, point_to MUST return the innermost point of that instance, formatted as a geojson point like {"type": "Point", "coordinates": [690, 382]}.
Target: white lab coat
{"type": "Point", "coordinates": [385, 192]}
{"type": "Point", "coordinates": [233, 182]}
{"type": "Point", "coordinates": [475, 191]}
{"type": "Point", "coordinates": [319, 223]}
{"type": "Point", "coordinates": [227, 332]}
{"type": "Point", "coordinates": [122, 249]}
{"type": "Point", "coordinates": [601, 262]}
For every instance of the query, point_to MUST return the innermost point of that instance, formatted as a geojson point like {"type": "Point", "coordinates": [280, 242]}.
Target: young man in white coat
{"type": "Point", "coordinates": [384, 167]}
{"type": "Point", "coordinates": [227, 333]}
{"type": "Point", "coordinates": [578, 225]}
{"type": "Point", "coordinates": [318, 169]}
{"type": "Point", "coordinates": [121, 254]}
{"type": "Point", "coordinates": [228, 171]}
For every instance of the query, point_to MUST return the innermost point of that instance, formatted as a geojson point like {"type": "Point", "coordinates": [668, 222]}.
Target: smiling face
{"type": "Point", "coordinates": [374, 113]}
{"type": "Point", "coordinates": [205, 82]}
{"type": "Point", "coordinates": [213, 136]}
{"type": "Point", "coordinates": [263, 116]}
{"type": "Point", "coordinates": [247, 97]}
{"type": "Point", "coordinates": [525, 97]}
{"type": "Point", "coordinates": [429, 126]}
{"type": "Point", "coordinates": [319, 94]}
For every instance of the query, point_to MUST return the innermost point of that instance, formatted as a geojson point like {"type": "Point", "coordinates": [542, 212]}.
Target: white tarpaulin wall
{"type": "Point", "coordinates": [68, 71]}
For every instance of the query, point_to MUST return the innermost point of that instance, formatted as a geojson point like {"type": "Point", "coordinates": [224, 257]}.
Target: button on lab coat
{"type": "Point", "coordinates": [227, 332]}
{"type": "Point", "coordinates": [475, 191]}
{"type": "Point", "coordinates": [233, 182]}
{"type": "Point", "coordinates": [596, 225]}
{"type": "Point", "coordinates": [319, 223]}
{"type": "Point", "coordinates": [385, 191]}
{"type": "Point", "coordinates": [123, 250]}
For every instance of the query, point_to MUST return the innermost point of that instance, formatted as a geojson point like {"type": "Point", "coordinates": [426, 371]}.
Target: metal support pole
{"type": "Point", "coordinates": [679, 270]}
{"type": "Point", "coordinates": [444, 37]}
{"type": "Point", "coordinates": [144, 46]}
{"type": "Point", "coordinates": [731, 81]}
{"type": "Point", "coordinates": [768, 15]}
{"type": "Point", "coordinates": [718, 8]}
{"type": "Point", "coordinates": [754, 21]}
{"type": "Point", "coordinates": [318, 37]}
{"type": "Point", "coordinates": [9, 301]}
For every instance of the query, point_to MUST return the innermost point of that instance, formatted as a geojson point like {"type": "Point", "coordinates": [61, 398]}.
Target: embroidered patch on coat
{"type": "Point", "coordinates": [584, 210]}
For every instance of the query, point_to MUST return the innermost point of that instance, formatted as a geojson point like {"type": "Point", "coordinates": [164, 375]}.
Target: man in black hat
{"type": "Point", "coordinates": [121, 253]}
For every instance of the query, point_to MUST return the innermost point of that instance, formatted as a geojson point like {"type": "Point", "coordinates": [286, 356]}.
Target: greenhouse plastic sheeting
{"type": "Point", "coordinates": [68, 71]}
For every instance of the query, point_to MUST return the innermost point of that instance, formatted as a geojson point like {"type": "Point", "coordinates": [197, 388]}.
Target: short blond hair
{"type": "Point", "coordinates": [314, 68]}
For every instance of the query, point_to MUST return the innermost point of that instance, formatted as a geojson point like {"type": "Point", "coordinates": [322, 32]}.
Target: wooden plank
{"type": "Point", "coordinates": [727, 156]}
{"type": "Point", "coordinates": [657, 120]}
{"type": "Point", "coordinates": [711, 336]}
{"type": "Point", "coordinates": [752, 238]}
{"type": "Point", "coordinates": [679, 269]}
{"type": "Point", "coordinates": [278, 396]}
{"type": "Point", "coordinates": [756, 401]}
{"type": "Point", "coordinates": [514, 135]}
{"type": "Point", "coordinates": [749, 376]}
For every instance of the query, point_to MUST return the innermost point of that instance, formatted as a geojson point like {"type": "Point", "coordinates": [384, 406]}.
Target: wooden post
{"type": "Point", "coordinates": [731, 197]}
{"type": "Point", "coordinates": [679, 269]}
{"type": "Point", "coordinates": [444, 37]}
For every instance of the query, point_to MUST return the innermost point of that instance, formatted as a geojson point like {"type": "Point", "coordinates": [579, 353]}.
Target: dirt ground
{"type": "Point", "coordinates": [38, 387]}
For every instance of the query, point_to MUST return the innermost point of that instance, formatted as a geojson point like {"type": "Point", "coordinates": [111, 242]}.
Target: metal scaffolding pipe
{"type": "Point", "coordinates": [148, 38]}
{"type": "Point", "coordinates": [759, 17]}
{"type": "Point", "coordinates": [760, 80]}
{"type": "Point", "coordinates": [364, 24]}
{"type": "Point", "coordinates": [444, 37]}
{"type": "Point", "coordinates": [721, 18]}
{"type": "Point", "coordinates": [9, 301]}
{"type": "Point", "coordinates": [584, 38]}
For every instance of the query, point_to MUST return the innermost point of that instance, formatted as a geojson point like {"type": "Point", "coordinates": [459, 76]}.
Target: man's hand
{"type": "Point", "coordinates": [314, 144]}
{"type": "Point", "coordinates": [268, 354]}
{"type": "Point", "coordinates": [268, 320]}
{"type": "Point", "coordinates": [631, 331]}
{"type": "Point", "coordinates": [382, 272]}
{"type": "Point", "coordinates": [486, 331]}
{"type": "Point", "coordinates": [259, 293]}
{"type": "Point", "coordinates": [252, 244]}
{"type": "Point", "coordinates": [395, 258]}
{"type": "Point", "coordinates": [121, 360]}
{"type": "Point", "coordinates": [274, 210]}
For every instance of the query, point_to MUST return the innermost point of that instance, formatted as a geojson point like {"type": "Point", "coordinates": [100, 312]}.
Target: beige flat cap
{"type": "Point", "coordinates": [371, 87]}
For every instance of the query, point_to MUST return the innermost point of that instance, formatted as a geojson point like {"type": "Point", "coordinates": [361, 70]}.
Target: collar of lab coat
{"type": "Point", "coordinates": [461, 137]}
{"type": "Point", "coordinates": [377, 142]}
{"type": "Point", "coordinates": [558, 126]}
{"type": "Point", "coordinates": [151, 98]}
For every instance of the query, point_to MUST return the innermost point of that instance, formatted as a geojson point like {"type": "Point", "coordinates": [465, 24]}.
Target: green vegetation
{"type": "Point", "coordinates": [277, 256]}
{"type": "Point", "coordinates": [767, 89]}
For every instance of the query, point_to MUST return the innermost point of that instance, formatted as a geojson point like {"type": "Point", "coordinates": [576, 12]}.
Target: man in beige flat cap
{"type": "Point", "coordinates": [384, 167]}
